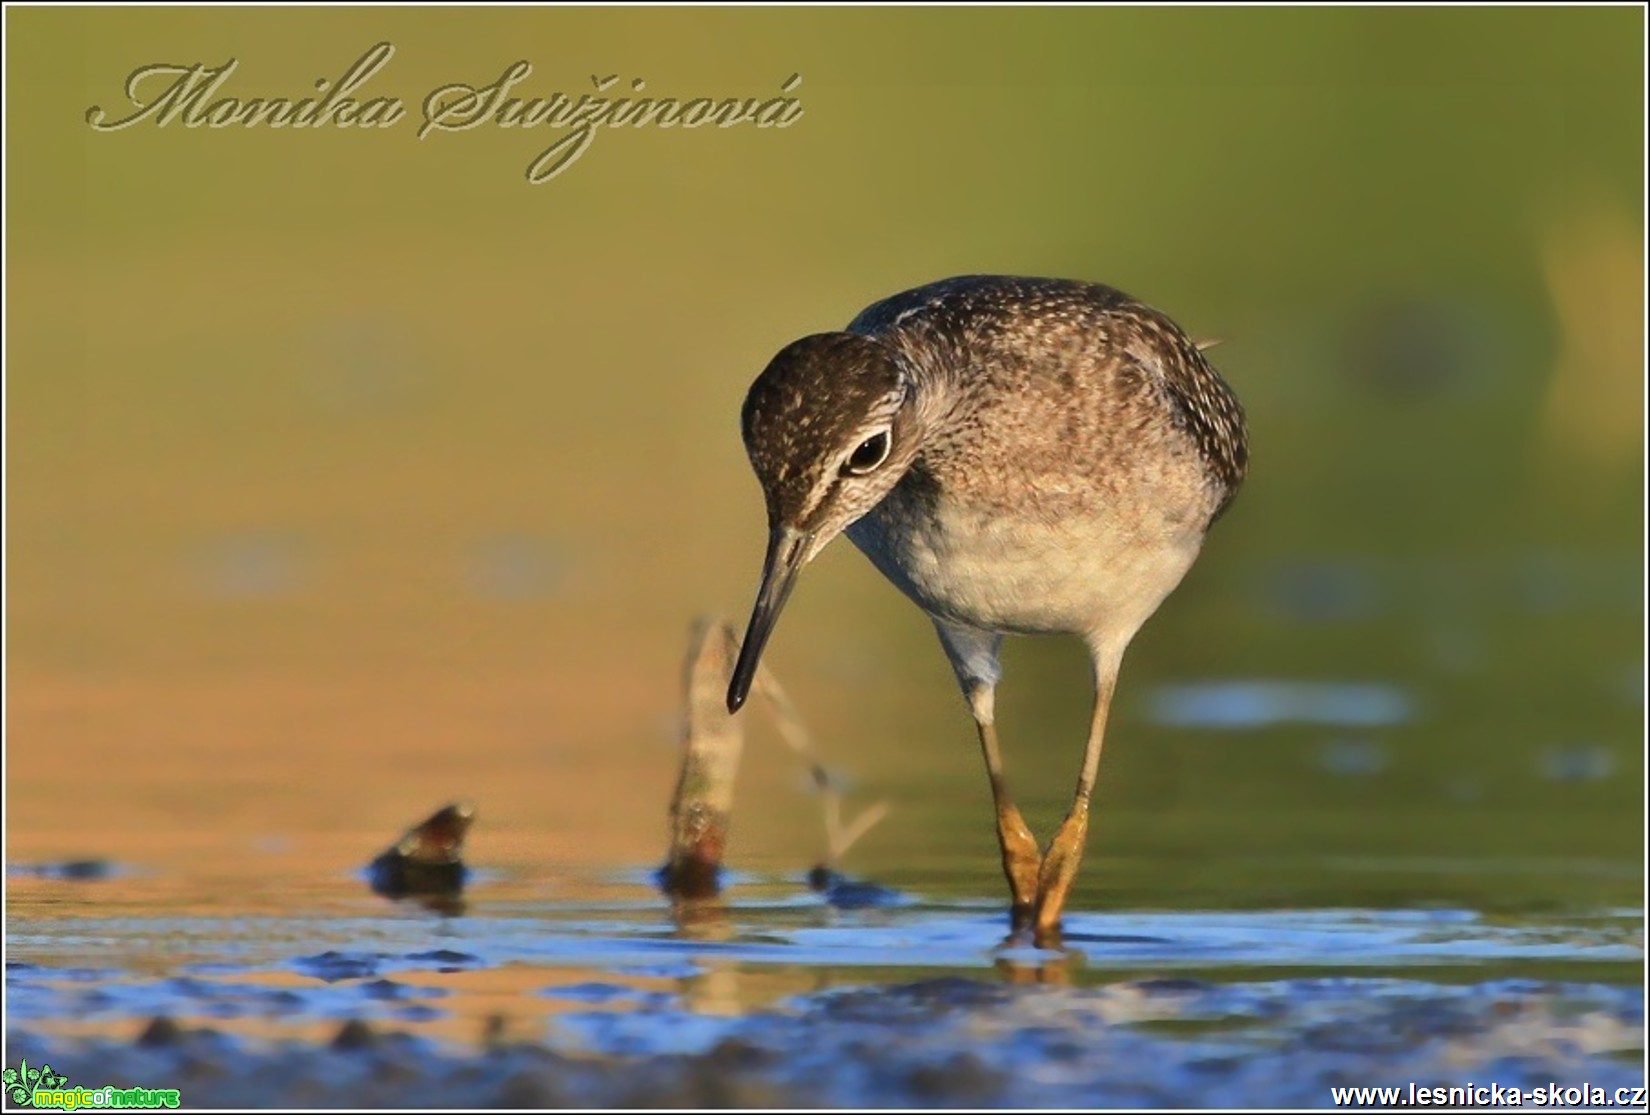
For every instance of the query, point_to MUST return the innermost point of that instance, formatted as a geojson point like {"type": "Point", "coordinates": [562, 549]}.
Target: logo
{"type": "Point", "coordinates": [22, 1081]}
{"type": "Point", "coordinates": [41, 1087]}
{"type": "Point", "coordinates": [163, 93]}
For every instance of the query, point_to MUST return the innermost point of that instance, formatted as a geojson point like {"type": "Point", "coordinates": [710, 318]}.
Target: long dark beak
{"type": "Point", "coordinates": [787, 549]}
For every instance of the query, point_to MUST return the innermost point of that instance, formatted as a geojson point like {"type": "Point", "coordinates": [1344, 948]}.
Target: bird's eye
{"type": "Point", "coordinates": [869, 456]}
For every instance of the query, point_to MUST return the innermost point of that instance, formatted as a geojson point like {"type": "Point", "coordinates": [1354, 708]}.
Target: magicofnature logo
{"type": "Point", "coordinates": [22, 1081]}
{"type": "Point", "coordinates": [27, 1086]}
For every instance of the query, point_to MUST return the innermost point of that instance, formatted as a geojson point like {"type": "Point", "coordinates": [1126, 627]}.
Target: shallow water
{"type": "Point", "coordinates": [1305, 881]}
{"type": "Point", "coordinates": [333, 497]}
{"type": "Point", "coordinates": [602, 967]}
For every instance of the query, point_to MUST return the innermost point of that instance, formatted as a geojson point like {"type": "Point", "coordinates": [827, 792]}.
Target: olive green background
{"type": "Point", "coordinates": [349, 473]}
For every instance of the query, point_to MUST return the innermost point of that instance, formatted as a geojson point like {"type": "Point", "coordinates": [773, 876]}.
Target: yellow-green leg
{"type": "Point", "coordinates": [973, 655]}
{"type": "Point", "coordinates": [1021, 859]}
{"type": "Point", "coordinates": [1065, 851]}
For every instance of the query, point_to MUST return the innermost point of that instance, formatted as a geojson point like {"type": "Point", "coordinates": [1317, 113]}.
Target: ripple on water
{"type": "Point", "coordinates": [1158, 1002]}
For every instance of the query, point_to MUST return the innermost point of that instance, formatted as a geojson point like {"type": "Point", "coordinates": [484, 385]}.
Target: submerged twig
{"type": "Point", "coordinates": [838, 837]}
{"type": "Point", "coordinates": [712, 741]}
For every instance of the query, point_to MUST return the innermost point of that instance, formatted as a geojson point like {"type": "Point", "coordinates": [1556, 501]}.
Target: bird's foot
{"type": "Point", "coordinates": [1022, 862]}
{"type": "Point", "coordinates": [1058, 873]}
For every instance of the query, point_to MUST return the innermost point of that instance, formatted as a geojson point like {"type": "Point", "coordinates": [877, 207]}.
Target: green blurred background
{"type": "Point", "coordinates": [349, 473]}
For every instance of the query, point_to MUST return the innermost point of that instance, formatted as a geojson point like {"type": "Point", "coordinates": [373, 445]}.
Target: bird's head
{"type": "Point", "coordinates": [830, 428]}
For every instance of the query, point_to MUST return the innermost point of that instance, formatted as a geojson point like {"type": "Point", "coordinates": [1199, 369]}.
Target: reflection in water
{"type": "Point", "coordinates": [516, 567]}
{"type": "Point", "coordinates": [620, 951]}
{"type": "Point", "coordinates": [1547, 581]}
{"type": "Point", "coordinates": [256, 566]}
{"type": "Point", "coordinates": [1324, 590]}
{"type": "Point", "coordinates": [359, 366]}
{"type": "Point", "coordinates": [1051, 970]}
{"type": "Point", "coordinates": [701, 918]}
{"type": "Point", "coordinates": [1577, 763]}
{"type": "Point", "coordinates": [1592, 415]}
{"type": "Point", "coordinates": [1412, 349]}
{"type": "Point", "coordinates": [1240, 705]}
{"type": "Point", "coordinates": [1352, 757]}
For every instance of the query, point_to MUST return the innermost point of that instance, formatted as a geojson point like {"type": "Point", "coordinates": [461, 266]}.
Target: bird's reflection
{"type": "Point", "coordinates": [1036, 957]}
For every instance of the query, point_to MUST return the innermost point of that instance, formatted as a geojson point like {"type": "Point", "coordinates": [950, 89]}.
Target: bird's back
{"type": "Point", "coordinates": [1051, 383]}
{"type": "Point", "coordinates": [1076, 447]}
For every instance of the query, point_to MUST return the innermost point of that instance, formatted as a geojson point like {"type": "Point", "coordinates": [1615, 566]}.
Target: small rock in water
{"type": "Point", "coordinates": [429, 857]}
{"type": "Point", "coordinates": [160, 1031]}
{"type": "Point", "coordinates": [532, 1089]}
{"type": "Point", "coordinates": [444, 956]}
{"type": "Point", "coordinates": [355, 1034]}
{"type": "Point", "coordinates": [738, 1053]}
{"type": "Point", "coordinates": [332, 965]}
{"type": "Point", "coordinates": [851, 894]}
{"type": "Point", "coordinates": [962, 1076]}
{"type": "Point", "coordinates": [70, 870]}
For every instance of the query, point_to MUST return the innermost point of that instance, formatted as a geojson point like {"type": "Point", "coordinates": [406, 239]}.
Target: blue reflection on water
{"type": "Point", "coordinates": [1238, 704]}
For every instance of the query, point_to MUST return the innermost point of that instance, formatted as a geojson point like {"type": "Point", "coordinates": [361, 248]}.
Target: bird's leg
{"type": "Point", "coordinates": [973, 655]}
{"type": "Point", "coordinates": [1021, 859]}
{"type": "Point", "coordinates": [1065, 851]}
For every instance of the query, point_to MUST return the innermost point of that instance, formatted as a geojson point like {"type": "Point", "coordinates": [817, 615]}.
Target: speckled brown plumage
{"type": "Point", "coordinates": [1037, 346]}
{"type": "Point", "coordinates": [808, 401]}
{"type": "Point", "coordinates": [1017, 456]}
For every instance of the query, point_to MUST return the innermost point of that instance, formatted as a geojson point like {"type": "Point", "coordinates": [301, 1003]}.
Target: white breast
{"type": "Point", "coordinates": [1100, 574]}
